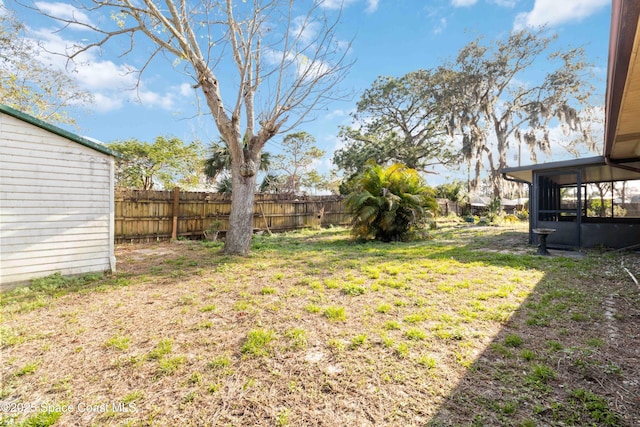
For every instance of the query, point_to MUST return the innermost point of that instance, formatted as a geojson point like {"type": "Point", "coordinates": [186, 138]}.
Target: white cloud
{"type": "Point", "coordinates": [65, 11]}
{"type": "Point", "coordinates": [89, 70]}
{"type": "Point", "coordinates": [186, 90]}
{"type": "Point", "coordinates": [111, 84]}
{"type": "Point", "coordinates": [335, 4]}
{"type": "Point", "coordinates": [336, 114]}
{"type": "Point", "coordinates": [338, 144]}
{"type": "Point", "coordinates": [554, 12]}
{"type": "Point", "coordinates": [154, 99]}
{"type": "Point", "coordinates": [309, 69]}
{"type": "Point", "coordinates": [463, 3]}
{"type": "Point", "coordinates": [105, 75]}
{"type": "Point", "coordinates": [103, 103]}
{"type": "Point", "coordinates": [439, 28]}
{"type": "Point", "coordinates": [304, 30]}
{"type": "Point", "coordinates": [372, 6]}
{"type": "Point", "coordinates": [306, 68]}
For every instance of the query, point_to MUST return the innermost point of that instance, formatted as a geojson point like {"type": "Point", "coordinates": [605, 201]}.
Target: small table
{"type": "Point", "coordinates": [543, 233]}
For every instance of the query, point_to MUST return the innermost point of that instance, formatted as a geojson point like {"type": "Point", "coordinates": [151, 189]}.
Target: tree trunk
{"type": "Point", "coordinates": [240, 230]}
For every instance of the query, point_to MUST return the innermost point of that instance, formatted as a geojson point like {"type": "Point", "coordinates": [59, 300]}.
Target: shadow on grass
{"type": "Point", "coordinates": [568, 355]}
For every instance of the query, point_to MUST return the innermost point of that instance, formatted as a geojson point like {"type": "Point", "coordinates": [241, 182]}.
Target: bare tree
{"type": "Point", "coordinates": [286, 63]}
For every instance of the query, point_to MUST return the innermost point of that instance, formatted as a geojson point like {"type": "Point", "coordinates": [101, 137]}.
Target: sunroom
{"type": "Point", "coordinates": [595, 201]}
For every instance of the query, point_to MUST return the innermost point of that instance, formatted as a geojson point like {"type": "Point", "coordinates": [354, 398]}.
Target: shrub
{"type": "Point", "coordinates": [595, 208]}
{"type": "Point", "coordinates": [387, 203]}
{"type": "Point", "coordinates": [523, 215]}
{"type": "Point", "coordinates": [504, 218]}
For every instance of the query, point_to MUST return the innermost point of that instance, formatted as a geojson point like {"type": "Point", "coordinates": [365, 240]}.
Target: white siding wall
{"type": "Point", "coordinates": [56, 204]}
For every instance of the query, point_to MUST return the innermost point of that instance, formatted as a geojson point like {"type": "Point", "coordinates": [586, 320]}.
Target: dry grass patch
{"type": "Point", "coordinates": [314, 329]}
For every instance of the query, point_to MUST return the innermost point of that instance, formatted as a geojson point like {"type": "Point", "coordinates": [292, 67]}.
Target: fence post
{"type": "Point", "coordinates": [176, 211]}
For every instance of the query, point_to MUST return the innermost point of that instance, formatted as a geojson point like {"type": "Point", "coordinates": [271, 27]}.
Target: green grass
{"type": "Point", "coordinates": [540, 374]}
{"type": "Point", "coordinates": [353, 290]}
{"type": "Point", "coordinates": [118, 342]}
{"type": "Point", "coordinates": [392, 325]}
{"type": "Point", "coordinates": [298, 338]}
{"type": "Point", "coordinates": [313, 308]}
{"type": "Point", "coordinates": [41, 419]}
{"type": "Point", "coordinates": [169, 365]}
{"type": "Point", "coordinates": [596, 406]}
{"type": "Point", "coordinates": [513, 340]}
{"type": "Point", "coordinates": [205, 324]}
{"type": "Point", "coordinates": [27, 369]}
{"type": "Point", "coordinates": [527, 355]}
{"type": "Point", "coordinates": [219, 362]}
{"type": "Point", "coordinates": [384, 308]}
{"type": "Point", "coordinates": [134, 396]}
{"type": "Point", "coordinates": [359, 340]}
{"type": "Point", "coordinates": [447, 331]}
{"type": "Point", "coordinates": [420, 316]}
{"type": "Point", "coordinates": [258, 342]}
{"type": "Point", "coordinates": [195, 378]}
{"type": "Point", "coordinates": [163, 348]}
{"type": "Point", "coordinates": [335, 314]}
{"type": "Point", "coordinates": [208, 308]}
{"type": "Point", "coordinates": [415, 334]}
{"type": "Point", "coordinates": [427, 362]}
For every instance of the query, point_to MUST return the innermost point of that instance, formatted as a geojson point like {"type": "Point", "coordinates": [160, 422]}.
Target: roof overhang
{"type": "Point", "coordinates": [591, 170]}
{"type": "Point", "coordinates": [622, 120]}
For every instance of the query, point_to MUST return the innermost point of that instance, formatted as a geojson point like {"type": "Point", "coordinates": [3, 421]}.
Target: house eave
{"type": "Point", "coordinates": [592, 170]}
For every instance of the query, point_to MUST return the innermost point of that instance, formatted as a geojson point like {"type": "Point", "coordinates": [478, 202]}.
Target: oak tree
{"type": "Point", "coordinates": [397, 120]}
{"type": "Point", "coordinates": [493, 99]}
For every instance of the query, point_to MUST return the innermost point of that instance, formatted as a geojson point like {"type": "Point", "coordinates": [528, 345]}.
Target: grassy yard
{"type": "Point", "coordinates": [470, 328]}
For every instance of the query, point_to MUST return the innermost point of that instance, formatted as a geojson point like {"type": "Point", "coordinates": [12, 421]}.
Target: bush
{"type": "Point", "coordinates": [390, 204]}
{"type": "Point", "coordinates": [504, 218]}
{"type": "Point", "coordinates": [595, 208]}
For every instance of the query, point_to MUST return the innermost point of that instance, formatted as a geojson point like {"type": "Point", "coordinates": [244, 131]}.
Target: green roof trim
{"type": "Point", "coordinates": [56, 130]}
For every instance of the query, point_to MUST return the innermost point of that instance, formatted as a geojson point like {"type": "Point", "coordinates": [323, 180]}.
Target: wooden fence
{"type": "Point", "coordinates": [160, 215]}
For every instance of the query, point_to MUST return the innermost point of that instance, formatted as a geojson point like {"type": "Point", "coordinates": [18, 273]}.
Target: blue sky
{"type": "Point", "coordinates": [390, 38]}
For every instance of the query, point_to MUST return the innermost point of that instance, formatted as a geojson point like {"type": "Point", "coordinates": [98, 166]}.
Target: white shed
{"type": "Point", "coordinates": [56, 201]}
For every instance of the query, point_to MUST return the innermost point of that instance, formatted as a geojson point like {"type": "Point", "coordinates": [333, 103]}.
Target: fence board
{"type": "Point", "coordinates": [148, 215]}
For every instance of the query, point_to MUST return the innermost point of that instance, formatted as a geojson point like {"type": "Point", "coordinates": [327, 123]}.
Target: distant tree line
{"type": "Point", "coordinates": [168, 162]}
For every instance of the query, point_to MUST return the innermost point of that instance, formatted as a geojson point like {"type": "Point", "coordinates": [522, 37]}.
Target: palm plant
{"type": "Point", "coordinates": [220, 161]}
{"type": "Point", "coordinates": [224, 185]}
{"type": "Point", "coordinates": [270, 184]}
{"type": "Point", "coordinates": [388, 202]}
